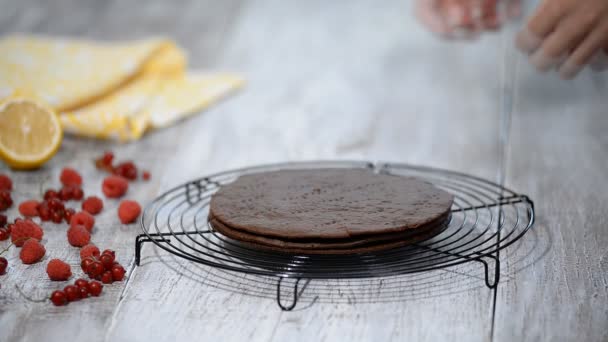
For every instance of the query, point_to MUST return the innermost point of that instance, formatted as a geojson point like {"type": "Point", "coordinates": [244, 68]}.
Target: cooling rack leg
{"type": "Point", "coordinates": [496, 276]}
{"type": "Point", "coordinates": [140, 239]}
{"type": "Point", "coordinates": [295, 295]}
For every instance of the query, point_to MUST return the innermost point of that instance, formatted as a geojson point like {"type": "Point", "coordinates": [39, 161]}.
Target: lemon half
{"type": "Point", "coordinates": [30, 133]}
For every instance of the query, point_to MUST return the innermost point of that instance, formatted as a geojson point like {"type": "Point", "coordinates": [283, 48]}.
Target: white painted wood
{"type": "Point", "coordinates": [559, 155]}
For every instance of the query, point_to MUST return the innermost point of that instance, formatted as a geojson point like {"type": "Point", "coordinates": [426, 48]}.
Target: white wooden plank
{"type": "Point", "coordinates": [559, 155]}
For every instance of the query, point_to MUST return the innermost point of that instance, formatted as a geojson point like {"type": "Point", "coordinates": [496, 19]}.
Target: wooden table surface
{"type": "Point", "coordinates": [336, 80]}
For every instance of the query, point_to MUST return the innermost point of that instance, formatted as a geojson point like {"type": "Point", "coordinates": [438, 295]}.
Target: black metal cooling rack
{"type": "Point", "coordinates": [485, 219]}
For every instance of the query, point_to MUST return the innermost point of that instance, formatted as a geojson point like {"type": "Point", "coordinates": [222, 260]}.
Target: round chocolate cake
{"type": "Point", "coordinates": [329, 211]}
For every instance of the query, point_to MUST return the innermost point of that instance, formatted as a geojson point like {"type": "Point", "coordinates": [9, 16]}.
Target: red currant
{"type": "Point", "coordinates": [105, 162]}
{"type": "Point", "coordinates": [81, 282]}
{"type": "Point", "coordinates": [59, 298]}
{"type": "Point", "coordinates": [68, 213]}
{"type": "Point", "coordinates": [43, 211]}
{"type": "Point", "coordinates": [56, 217]}
{"type": "Point", "coordinates": [118, 272]}
{"type": "Point", "coordinates": [55, 204]}
{"type": "Point", "coordinates": [72, 293]}
{"type": "Point", "coordinates": [106, 277]}
{"type": "Point", "coordinates": [65, 194]}
{"type": "Point", "coordinates": [95, 288]}
{"type": "Point", "coordinates": [5, 200]}
{"type": "Point", "coordinates": [127, 170]}
{"type": "Point", "coordinates": [77, 194]}
{"type": "Point", "coordinates": [3, 265]}
{"type": "Point", "coordinates": [107, 260]}
{"type": "Point", "coordinates": [108, 157]}
{"type": "Point", "coordinates": [95, 269]}
{"type": "Point", "coordinates": [4, 234]}
{"type": "Point", "coordinates": [110, 252]}
{"type": "Point", "coordinates": [84, 292]}
{"type": "Point", "coordinates": [50, 193]}
{"type": "Point", "coordinates": [85, 264]}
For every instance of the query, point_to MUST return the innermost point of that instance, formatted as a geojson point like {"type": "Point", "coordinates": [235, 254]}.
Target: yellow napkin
{"type": "Point", "coordinates": [109, 90]}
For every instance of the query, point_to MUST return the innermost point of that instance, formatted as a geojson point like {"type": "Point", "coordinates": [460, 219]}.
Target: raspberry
{"type": "Point", "coordinates": [82, 218]}
{"type": "Point", "coordinates": [58, 270]}
{"type": "Point", "coordinates": [78, 236]}
{"type": "Point", "coordinates": [89, 251]}
{"type": "Point", "coordinates": [127, 170]}
{"type": "Point", "coordinates": [70, 176]}
{"type": "Point", "coordinates": [23, 229]}
{"type": "Point", "coordinates": [93, 205]}
{"type": "Point", "coordinates": [114, 186]}
{"type": "Point", "coordinates": [128, 211]}
{"type": "Point", "coordinates": [3, 220]}
{"type": "Point", "coordinates": [32, 251]}
{"type": "Point", "coordinates": [29, 208]}
{"type": "Point", "coordinates": [5, 183]}
{"type": "Point", "coordinates": [145, 175]}
{"type": "Point", "coordinates": [6, 201]}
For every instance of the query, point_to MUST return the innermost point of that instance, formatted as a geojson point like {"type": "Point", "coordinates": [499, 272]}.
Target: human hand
{"type": "Point", "coordinates": [464, 18]}
{"type": "Point", "coordinates": [566, 34]}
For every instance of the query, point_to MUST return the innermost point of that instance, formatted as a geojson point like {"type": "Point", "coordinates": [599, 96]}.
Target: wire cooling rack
{"type": "Point", "coordinates": [485, 219]}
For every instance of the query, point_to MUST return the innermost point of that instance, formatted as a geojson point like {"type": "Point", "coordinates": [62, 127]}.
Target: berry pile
{"type": "Point", "coordinates": [80, 290]}
{"type": "Point", "coordinates": [27, 233]}
{"type": "Point", "coordinates": [126, 169]}
{"type": "Point", "coordinates": [102, 266]}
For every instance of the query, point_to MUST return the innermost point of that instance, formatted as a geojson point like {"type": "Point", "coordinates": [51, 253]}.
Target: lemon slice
{"type": "Point", "coordinates": [30, 133]}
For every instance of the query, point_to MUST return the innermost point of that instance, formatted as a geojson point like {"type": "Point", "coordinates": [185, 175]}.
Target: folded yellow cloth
{"type": "Point", "coordinates": [109, 90]}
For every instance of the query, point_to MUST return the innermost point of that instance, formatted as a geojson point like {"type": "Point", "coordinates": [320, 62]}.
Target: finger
{"type": "Point", "coordinates": [490, 18]}
{"type": "Point", "coordinates": [428, 12]}
{"type": "Point", "coordinates": [564, 39]}
{"type": "Point", "coordinates": [477, 10]}
{"type": "Point", "coordinates": [541, 24]}
{"type": "Point", "coordinates": [585, 51]}
{"type": "Point", "coordinates": [513, 9]}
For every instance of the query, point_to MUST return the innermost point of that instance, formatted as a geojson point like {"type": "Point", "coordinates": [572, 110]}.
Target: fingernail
{"type": "Point", "coordinates": [543, 62]}
{"type": "Point", "coordinates": [527, 41]}
{"type": "Point", "coordinates": [569, 69]}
